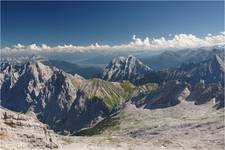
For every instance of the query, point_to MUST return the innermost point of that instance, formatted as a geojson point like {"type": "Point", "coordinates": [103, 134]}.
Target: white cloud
{"type": "Point", "coordinates": [179, 41]}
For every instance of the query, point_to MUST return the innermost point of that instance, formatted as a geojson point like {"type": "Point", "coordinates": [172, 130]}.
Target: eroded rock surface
{"type": "Point", "coordinates": [20, 131]}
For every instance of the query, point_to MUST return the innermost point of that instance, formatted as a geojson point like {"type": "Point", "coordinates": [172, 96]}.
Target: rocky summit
{"type": "Point", "coordinates": [125, 68]}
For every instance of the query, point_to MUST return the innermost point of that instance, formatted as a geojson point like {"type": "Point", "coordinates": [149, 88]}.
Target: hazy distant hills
{"type": "Point", "coordinates": [175, 61]}
{"type": "Point", "coordinates": [155, 60]}
{"type": "Point", "coordinates": [88, 64]}
{"type": "Point", "coordinates": [87, 71]}
{"type": "Point", "coordinates": [168, 59]}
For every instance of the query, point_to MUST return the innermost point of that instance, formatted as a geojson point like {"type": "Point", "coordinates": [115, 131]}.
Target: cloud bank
{"type": "Point", "coordinates": [180, 41]}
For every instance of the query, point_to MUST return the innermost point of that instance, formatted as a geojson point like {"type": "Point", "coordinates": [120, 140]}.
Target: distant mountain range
{"type": "Point", "coordinates": [93, 66]}
{"type": "Point", "coordinates": [208, 73]}
{"type": "Point", "coordinates": [157, 60]}
{"type": "Point", "coordinates": [211, 71]}
{"type": "Point", "coordinates": [87, 71]}
{"type": "Point", "coordinates": [172, 59]}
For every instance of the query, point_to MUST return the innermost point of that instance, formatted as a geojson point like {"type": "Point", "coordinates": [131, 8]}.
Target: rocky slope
{"type": "Point", "coordinates": [202, 93]}
{"type": "Point", "coordinates": [63, 101]}
{"type": "Point", "coordinates": [125, 68]}
{"type": "Point", "coordinates": [20, 131]}
{"type": "Point", "coordinates": [211, 71]}
{"type": "Point", "coordinates": [171, 93]}
{"type": "Point", "coordinates": [165, 96]}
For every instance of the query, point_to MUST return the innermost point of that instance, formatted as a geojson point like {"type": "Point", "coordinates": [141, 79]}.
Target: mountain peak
{"type": "Point", "coordinates": [38, 69]}
{"type": "Point", "coordinates": [131, 56]}
{"type": "Point", "coordinates": [125, 68]}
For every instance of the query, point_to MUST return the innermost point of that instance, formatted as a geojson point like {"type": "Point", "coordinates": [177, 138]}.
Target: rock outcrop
{"type": "Point", "coordinates": [20, 131]}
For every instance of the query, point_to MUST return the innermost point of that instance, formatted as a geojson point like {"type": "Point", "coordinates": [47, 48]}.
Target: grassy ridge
{"type": "Point", "coordinates": [112, 94]}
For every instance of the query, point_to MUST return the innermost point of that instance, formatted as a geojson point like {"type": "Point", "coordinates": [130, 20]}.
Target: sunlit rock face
{"type": "Point", "coordinates": [125, 68]}
{"type": "Point", "coordinates": [24, 131]}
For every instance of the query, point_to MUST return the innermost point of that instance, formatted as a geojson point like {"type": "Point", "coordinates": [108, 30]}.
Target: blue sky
{"type": "Point", "coordinates": [83, 23]}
